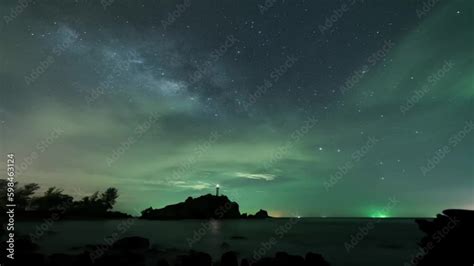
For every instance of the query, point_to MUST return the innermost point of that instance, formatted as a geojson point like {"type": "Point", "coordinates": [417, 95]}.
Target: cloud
{"type": "Point", "coordinates": [198, 186]}
{"type": "Point", "coordinates": [266, 177]}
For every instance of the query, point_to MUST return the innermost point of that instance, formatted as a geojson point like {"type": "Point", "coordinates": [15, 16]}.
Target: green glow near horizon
{"type": "Point", "coordinates": [379, 215]}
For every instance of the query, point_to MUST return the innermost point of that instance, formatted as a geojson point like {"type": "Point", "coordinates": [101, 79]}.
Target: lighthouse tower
{"type": "Point", "coordinates": [217, 190]}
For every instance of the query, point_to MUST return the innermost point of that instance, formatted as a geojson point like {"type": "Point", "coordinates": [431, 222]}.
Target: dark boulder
{"type": "Point", "coordinates": [264, 262]}
{"type": "Point", "coordinates": [448, 239]}
{"type": "Point", "coordinates": [123, 258]}
{"type": "Point", "coordinates": [245, 262]}
{"type": "Point", "coordinates": [229, 259]}
{"type": "Point", "coordinates": [162, 262]}
{"type": "Point", "coordinates": [194, 259]}
{"type": "Point", "coordinates": [59, 259]}
{"type": "Point", "coordinates": [313, 259]}
{"type": "Point", "coordinates": [134, 243]}
{"type": "Point", "coordinates": [23, 259]}
{"type": "Point", "coordinates": [284, 259]}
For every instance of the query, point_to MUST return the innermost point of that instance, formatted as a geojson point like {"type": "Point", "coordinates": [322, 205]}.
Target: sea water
{"type": "Point", "coordinates": [341, 241]}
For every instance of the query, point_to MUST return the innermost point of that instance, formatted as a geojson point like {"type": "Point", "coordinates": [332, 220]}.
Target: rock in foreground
{"type": "Point", "coordinates": [136, 251]}
{"type": "Point", "coordinates": [448, 240]}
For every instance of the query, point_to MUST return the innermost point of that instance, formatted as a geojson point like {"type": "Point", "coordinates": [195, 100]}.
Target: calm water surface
{"type": "Point", "coordinates": [387, 242]}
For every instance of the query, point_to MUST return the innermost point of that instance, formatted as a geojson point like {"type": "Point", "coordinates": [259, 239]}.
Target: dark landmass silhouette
{"type": "Point", "coordinates": [53, 204]}
{"type": "Point", "coordinates": [448, 241]}
{"type": "Point", "coordinates": [203, 207]}
{"type": "Point", "coordinates": [56, 205]}
{"type": "Point", "coordinates": [70, 214]}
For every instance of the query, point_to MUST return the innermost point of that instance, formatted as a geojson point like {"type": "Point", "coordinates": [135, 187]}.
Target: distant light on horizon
{"type": "Point", "coordinates": [339, 144]}
{"type": "Point", "coordinates": [379, 215]}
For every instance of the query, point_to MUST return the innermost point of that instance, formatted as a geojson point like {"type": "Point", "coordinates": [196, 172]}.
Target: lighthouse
{"type": "Point", "coordinates": [217, 190]}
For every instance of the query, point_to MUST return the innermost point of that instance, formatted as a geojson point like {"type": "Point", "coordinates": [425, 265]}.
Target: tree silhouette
{"type": "Point", "coordinates": [22, 197]}
{"type": "Point", "coordinates": [109, 197]}
{"type": "Point", "coordinates": [53, 199]}
{"type": "Point", "coordinates": [96, 204]}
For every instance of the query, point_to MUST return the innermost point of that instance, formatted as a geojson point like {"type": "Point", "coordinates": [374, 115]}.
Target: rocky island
{"type": "Point", "coordinates": [203, 207]}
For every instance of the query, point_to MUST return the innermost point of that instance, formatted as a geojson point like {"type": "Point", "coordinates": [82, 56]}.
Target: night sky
{"type": "Point", "coordinates": [311, 108]}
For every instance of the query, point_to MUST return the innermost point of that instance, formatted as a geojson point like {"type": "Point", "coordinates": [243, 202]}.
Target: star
{"type": "Point", "coordinates": [285, 88]}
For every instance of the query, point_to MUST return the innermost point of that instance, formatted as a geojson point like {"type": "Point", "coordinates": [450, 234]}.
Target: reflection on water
{"type": "Point", "coordinates": [215, 226]}
{"type": "Point", "coordinates": [392, 240]}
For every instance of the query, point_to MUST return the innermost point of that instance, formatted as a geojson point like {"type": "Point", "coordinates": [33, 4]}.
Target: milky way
{"type": "Point", "coordinates": [311, 108]}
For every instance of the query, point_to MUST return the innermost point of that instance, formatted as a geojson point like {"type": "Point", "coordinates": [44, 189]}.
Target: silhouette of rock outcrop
{"type": "Point", "coordinates": [194, 258]}
{"type": "Point", "coordinates": [136, 251]}
{"type": "Point", "coordinates": [204, 207]}
{"type": "Point", "coordinates": [230, 259]}
{"type": "Point", "coordinates": [448, 240]}
{"type": "Point", "coordinates": [261, 214]}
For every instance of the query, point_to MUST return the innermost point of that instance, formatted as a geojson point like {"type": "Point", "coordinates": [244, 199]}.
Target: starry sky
{"type": "Point", "coordinates": [310, 108]}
